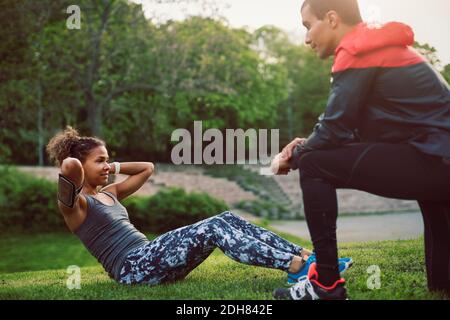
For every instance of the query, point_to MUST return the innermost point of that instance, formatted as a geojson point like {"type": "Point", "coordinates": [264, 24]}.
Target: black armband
{"type": "Point", "coordinates": [67, 192]}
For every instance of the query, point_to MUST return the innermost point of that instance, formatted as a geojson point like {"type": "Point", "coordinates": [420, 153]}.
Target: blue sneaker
{"type": "Point", "coordinates": [294, 277]}
{"type": "Point", "coordinates": [344, 265]}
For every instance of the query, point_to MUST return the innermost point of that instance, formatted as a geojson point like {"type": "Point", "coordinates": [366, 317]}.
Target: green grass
{"type": "Point", "coordinates": [34, 267]}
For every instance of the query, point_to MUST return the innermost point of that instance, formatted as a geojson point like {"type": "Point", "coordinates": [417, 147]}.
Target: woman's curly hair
{"type": "Point", "coordinates": [69, 143]}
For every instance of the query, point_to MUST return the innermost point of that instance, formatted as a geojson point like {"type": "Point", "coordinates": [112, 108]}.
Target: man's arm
{"type": "Point", "coordinates": [336, 127]}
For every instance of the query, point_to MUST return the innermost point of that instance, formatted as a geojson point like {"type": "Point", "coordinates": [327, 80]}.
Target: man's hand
{"type": "Point", "coordinates": [280, 165]}
{"type": "Point", "coordinates": [287, 151]}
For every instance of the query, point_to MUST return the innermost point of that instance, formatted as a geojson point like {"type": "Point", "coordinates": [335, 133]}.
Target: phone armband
{"type": "Point", "coordinates": [67, 191]}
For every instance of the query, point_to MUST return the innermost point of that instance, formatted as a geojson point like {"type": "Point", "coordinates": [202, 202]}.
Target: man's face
{"type": "Point", "coordinates": [320, 35]}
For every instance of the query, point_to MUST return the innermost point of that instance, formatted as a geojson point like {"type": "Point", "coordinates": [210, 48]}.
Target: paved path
{"type": "Point", "coordinates": [397, 226]}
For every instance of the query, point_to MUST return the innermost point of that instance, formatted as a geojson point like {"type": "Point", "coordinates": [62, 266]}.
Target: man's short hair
{"type": "Point", "coordinates": [348, 10]}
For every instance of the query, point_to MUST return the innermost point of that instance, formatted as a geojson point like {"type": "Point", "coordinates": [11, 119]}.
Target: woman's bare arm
{"type": "Point", "coordinates": [138, 172]}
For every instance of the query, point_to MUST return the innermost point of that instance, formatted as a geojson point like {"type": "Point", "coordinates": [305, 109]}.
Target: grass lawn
{"type": "Point", "coordinates": [35, 267]}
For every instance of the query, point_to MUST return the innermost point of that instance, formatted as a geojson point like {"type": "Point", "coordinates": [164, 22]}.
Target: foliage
{"type": "Point", "coordinates": [308, 82]}
{"type": "Point", "coordinates": [28, 203]}
{"type": "Point", "coordinates": [170, 209]}
{"type": "Point", "coordinates": [132, 81]}
{"type": "Point", "coordinates": [429, 52]}
{"type": "Point", "coordinates": [269, 210]}
{"type": "Point", "coordinates": [125, 79]}
{"type": "Point", "coordinates": [446, 73]}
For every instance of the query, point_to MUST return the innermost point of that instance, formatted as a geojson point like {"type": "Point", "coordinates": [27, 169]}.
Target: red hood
{"type": "Point", "coordinates": [365, 38]}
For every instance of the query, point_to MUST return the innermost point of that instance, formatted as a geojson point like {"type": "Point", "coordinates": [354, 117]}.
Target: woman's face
{"type": "Point", "coordinates": [96, 167]}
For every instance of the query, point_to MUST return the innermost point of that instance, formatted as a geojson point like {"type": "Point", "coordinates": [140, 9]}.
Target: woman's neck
{"type": "Point", "coordinates": [90, 190]}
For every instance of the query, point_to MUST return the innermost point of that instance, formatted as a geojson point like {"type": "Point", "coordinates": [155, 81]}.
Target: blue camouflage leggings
{"type": "Point", "coordinates": [173, 255]}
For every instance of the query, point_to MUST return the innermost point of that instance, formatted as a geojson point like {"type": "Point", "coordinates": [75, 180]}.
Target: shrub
{"type": "Point", "coordinates": [28, 203]}
{"type": "Point", "coordinates": [269, 210]}
{"type": "Point", "coordinates": [170, 209]}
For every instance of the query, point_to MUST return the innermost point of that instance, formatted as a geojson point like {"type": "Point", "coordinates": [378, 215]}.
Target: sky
{"type": "Point", "coordinates": [430, 19]}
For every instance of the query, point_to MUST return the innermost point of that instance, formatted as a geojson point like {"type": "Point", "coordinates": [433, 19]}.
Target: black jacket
{"type": "Point", "coordinates": [383, 91]}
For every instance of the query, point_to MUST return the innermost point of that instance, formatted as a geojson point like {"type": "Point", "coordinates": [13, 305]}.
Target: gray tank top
{"type": "Point", "coordinates": [108, 234]}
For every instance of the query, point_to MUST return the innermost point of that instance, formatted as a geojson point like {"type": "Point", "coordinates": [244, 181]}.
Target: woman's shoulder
{"type": "Point", "coordinates": [111, 189]}
{"type": "Point", "coordinates": [74, 217]}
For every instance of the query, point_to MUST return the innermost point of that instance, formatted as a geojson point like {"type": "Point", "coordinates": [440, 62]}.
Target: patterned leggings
{"type": "Point", "coordinates": [173, 255]}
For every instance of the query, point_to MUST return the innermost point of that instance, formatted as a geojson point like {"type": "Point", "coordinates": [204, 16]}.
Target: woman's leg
{"type": "Point", "coordinates": [266, 236]}
{"type": "Point", "coordinates": [173, 255]}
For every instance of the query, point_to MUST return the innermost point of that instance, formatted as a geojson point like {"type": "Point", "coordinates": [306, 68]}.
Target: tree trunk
{"type": "Point", "coordinates": [95, 118]}
{"type": "Point", "coordinates": [289, 121]}
{"type": "Point", "coordinates": [40, 149]}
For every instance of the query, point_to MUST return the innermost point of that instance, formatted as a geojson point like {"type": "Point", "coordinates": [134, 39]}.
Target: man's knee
{"type": "Point", "coordinates": [308, 162]}
{"type": "Point", "coordinates": [304, 161]}
{"type": "Point", "coordinates": [316, 166]}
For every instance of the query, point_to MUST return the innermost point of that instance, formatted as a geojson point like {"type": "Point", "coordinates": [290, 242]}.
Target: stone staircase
{"type": "Point", "coordinates": [349, 201]}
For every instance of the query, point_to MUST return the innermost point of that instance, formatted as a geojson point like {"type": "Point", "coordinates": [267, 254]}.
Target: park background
{"type": "Point", "coordinates": [131, 75]}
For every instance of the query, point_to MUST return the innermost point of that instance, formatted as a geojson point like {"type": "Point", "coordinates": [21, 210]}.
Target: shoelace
{"type": "Point", "coordinates": [299, 290]}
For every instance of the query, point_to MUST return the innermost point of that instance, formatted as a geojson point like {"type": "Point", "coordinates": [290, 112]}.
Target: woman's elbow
{"type": "Point", "coordinates": [71, 166]}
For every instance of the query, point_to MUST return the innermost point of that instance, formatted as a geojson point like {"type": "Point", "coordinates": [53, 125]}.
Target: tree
{"type": "Point", "coordinates": [113, 47]}
{"type": "Point", "coordinates": [211, 72]}
{"type": "Point", "coordinates": [429, 53]}
{"type": "Point", "coordinates": [23, 77]}
{"type": "Point", "coordinates": [307, 81]}
{"type": "Point", "coordinates": [46, 66]}
{"type": "Point", "coordinates": [446, 73]}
